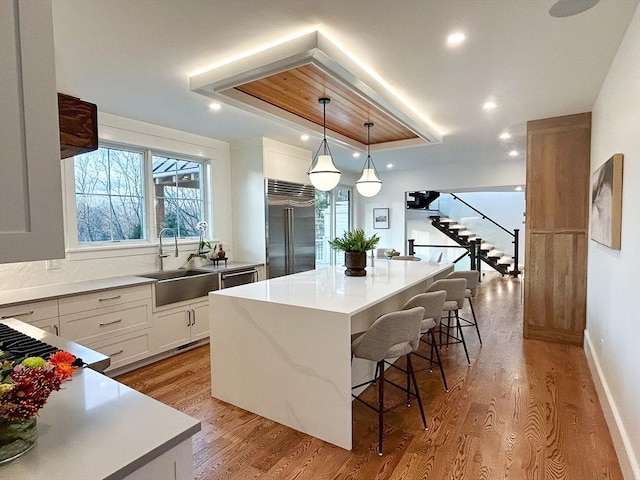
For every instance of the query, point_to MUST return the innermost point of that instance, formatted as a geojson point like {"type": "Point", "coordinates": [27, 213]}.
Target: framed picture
{"type": "Point", "coordinates": [380, 218]}
{"type": "Point", "coordinates": [606, 203]}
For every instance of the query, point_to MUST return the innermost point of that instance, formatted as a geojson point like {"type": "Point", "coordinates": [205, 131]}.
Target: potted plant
{"type": "Point", "coordinates": [204, 247]}
{"type": "Point", "coordinates": [355, 245]}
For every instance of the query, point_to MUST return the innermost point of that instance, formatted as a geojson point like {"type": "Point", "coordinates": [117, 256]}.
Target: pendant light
{"type": "Point", "coordinates": [369, 184]}
{"type": "Point", "coordinates": [323, 174]}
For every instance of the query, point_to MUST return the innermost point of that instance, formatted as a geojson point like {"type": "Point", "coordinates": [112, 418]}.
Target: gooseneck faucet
{"type": "Point", "coordinates": [161, 253]}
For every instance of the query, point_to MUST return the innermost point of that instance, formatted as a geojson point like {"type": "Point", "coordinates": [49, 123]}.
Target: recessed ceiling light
{"type": "Point", "coordinates": [356, 154]}
{"type": "Point", "coordinates": [505, 136]}
{"type": "Point", "coordinates": [304, 137]}
{"type": "Point", "coordinates": [513, 153]}
{"type": "Point", "coordinates": [518, 189]}
{"type": "Point", "coordinates": [456, 39]}
{"type": "Point", "coordinates": [567, 8]}
{"type": "Point", "coordinates": [389, 165]}
{"type": "Point", "coordinates": [215, 106]}
{"type": "Point", "coordinates": [489, 105]}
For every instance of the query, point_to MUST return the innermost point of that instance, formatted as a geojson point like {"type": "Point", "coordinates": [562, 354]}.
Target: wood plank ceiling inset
{"type": "Point", "coordinates": [297, 91]}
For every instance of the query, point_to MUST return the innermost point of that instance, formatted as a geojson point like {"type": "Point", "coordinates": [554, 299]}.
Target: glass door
{"type": "Point", "coordinates": [333, 217]}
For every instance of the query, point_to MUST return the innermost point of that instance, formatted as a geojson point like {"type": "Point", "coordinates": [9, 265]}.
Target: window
{"type": "Point", "coordinates": [333, 217]}
{"type": "Point", "coordinates": [128, 194]}
{"type": "Point", "coordinates": [109, 185]}
{"type": "Point", "coordinates": [178, 198]}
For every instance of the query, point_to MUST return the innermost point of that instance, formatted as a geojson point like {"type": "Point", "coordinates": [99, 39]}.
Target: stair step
{"type": "Point", "coordinates": [446, 220]}
{"type": "Point", "coordinates": [456, 226]}
{"type": "Point", "coordinates": [495, 254]}
{"type": "Point", "coordinates": [486, 246]}
{"type": "Point", "coordinates": [466, 233]}
{"type": "Point", "coordinates": [505, 260]}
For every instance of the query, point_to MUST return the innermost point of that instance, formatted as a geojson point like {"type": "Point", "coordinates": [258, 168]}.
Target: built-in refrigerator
{"type": "Point", "coordinates": [290, 228]}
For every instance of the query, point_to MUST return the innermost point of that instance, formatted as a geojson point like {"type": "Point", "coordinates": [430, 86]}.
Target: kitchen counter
{"type": "Point", "coordinates": [289, 338]}
{"type": "Point", "coordinates": [97, 428]}
{"type": "Point", "coordinates": [50, 292]}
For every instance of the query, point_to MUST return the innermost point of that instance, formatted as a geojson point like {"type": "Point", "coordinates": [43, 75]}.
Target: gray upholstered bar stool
{"type": "Point", "coordinates": [433, 303]}
{"type": "Point", "coordinates": [455, 288]}
{"type": "Point", "coordinates": [392, 335]}
{"type": "Point", "coordinates": [473, 278]}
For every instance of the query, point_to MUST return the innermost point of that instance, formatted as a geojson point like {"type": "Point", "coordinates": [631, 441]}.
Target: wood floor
{"type": "Point", "coordinates": [525, 409]}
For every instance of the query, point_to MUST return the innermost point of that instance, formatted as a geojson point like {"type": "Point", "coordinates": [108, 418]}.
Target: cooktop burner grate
{"type": "Point", "coordinates": [15, 345]}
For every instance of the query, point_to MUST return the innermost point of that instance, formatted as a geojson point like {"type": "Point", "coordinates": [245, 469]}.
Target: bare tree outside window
{"type": "Point", "coordinates": [109, 185]}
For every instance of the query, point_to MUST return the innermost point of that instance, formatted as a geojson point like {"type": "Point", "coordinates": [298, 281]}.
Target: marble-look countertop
{"type": "Point", "coordinates": [96, 428]}
{"type": "Point", "coordinates": [60, 290]}
{"type": "Point", "coordinates": [329, 289]}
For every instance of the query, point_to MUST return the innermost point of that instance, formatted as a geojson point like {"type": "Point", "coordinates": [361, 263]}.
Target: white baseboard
{"type": "Point", "coordinates": [621, 442]}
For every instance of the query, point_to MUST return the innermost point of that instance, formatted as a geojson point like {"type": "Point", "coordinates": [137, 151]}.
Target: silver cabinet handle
{"type": "Point", "coordinates": [110, 323]}
{"type": "Point", "coordinates": [119, 352]}
{"type": "Point", "coordinates": [188, 318]}
{"type": "Point", "coordinates": [56, 329]}
{"type": "Point", "coordinates": [23, 314]}
{"type": "Point", "coordinates": [109, 298]}
{"type": "Point", "coordinates": [193, 312]}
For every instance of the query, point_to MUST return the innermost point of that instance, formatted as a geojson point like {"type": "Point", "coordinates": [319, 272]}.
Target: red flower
{"type": "Point", "coordinates": [62, 361]}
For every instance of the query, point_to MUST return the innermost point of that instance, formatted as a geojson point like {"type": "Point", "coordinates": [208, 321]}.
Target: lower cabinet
{"type": "Point", "coordinates": [43, 314]}
{"type": "Point", "coordinates": [125, 349]}
{"type": "Point", "coordinates": [177, 326]}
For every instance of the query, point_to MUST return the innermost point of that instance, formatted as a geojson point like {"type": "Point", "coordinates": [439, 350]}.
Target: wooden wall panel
{"type": "Point", "coordinates": [558, 151]}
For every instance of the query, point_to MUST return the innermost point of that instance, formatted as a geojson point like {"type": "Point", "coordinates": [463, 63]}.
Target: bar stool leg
{"type": "Point", "coordinates": [464, 344]}
{"type": "Point", "coordinates": [415, 385]}
{"type": "Point", "coordinates": [444, 379]}
{"type": "Point", "coordinates": [475, 320]}
{"type": "Point", "coordinates": [381, 407]}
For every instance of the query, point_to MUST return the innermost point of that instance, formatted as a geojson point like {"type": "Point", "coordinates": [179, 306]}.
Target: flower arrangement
{"type": "Point", "coordinates": [25, 385]}
{"type": "Point", "coordinates": [202, 226]}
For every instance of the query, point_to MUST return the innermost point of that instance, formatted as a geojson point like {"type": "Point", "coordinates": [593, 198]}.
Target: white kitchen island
{"type": "Point", "coordinates": [281, 348]}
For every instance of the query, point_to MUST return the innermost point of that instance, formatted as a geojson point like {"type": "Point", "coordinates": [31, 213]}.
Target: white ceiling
{"type": "Point", "coordinates": [133, 58]}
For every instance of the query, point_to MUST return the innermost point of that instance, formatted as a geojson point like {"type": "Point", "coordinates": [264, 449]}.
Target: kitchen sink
{"type": "Point", "coordinates": [180, 285]}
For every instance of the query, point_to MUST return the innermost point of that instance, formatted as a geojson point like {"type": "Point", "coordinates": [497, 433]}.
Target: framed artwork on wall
{"type": "Point", "coordinates": [380, 218]}
{"type": "Point", "coordinates": [606, 203]}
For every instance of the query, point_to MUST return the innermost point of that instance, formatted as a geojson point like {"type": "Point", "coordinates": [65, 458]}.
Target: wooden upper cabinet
{"type": "Point", "coordinates": [78, 126]}
{"type": "Point", "coordinates": [558, 155]}
{"type": "Point", "coordinates": [31, 226]}
{"type": "Point", "coordinates": [558, 152]}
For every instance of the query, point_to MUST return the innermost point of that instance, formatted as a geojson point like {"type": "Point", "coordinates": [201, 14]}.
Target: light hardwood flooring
{"type": "Point", "coordinates": [524, 409]}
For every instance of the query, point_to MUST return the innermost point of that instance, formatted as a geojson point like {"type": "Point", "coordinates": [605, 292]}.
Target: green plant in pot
{"type": "Point", "coordinates": [355, 244]}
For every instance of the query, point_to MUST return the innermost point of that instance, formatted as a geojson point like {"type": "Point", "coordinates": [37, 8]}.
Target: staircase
{"type": "Point", "coordinates": [493, 257]}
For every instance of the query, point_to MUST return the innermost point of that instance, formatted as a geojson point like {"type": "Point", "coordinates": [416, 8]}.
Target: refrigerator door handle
{"type": "Point", "coordinates": [289, 263]}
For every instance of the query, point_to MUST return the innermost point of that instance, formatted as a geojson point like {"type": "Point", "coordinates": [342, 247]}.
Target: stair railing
{"type": "Point", "coordinates": [472, 249]}
{"type": "Point", "coordinates": [515, 234]}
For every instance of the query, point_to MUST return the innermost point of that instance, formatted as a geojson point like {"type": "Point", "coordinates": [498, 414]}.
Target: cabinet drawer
{"type": "Point", "coordinates": [31, 312]}
{"type": "Point", "coordinates": [84, 327]}
{"type": "Point", "coordinates": [107, 300]}
{"type": "Point", "coordinates": [124, 349]}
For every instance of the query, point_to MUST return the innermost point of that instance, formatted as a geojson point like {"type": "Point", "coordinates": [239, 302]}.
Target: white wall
{"type": "Point", "coordinates": [443, 178]}
{"type": "Point", "coordinates": [613, 280]}
{"type": "Point", "coordinates": [84, 265]}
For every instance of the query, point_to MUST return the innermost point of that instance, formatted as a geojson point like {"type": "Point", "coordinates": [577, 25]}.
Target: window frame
{"type": "Point", "coordinates": [85, 249]}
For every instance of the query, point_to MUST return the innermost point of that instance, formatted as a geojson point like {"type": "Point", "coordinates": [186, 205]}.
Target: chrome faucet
{"type": "Point", "coordinates": [161, 254]}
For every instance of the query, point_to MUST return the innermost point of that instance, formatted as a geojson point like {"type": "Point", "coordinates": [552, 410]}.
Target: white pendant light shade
{"type": "Point", "coordinates": [324, 175]}
{"type": "Point", "coordinates": [368, 184]}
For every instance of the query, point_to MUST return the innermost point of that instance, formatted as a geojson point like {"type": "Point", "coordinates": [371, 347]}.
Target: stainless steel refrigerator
{"type": "Point", "coordinates": [291, 222]}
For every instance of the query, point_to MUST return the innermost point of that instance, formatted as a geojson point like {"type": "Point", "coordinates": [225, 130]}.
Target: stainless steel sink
{"type": "Point", "coordinates": [179, 285]}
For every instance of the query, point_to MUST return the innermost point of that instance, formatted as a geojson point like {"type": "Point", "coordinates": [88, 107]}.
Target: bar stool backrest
{"type": "Point", "coordinates": [455, 288]}
{"type": "Point", "coordinates": [471, 276]}
{"type": "Point", "coordinates": [396, 329]}
{"type": "Point", "coordinates": [432, 303]}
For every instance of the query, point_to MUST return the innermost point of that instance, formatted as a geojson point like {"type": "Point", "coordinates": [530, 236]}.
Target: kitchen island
{"type": "Point", "coordinates": [97, 428]}
{"type": "Point", "coordinates": [281, 348]}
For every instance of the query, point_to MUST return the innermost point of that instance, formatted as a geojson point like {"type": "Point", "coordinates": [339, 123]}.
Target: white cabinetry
{"type": "Point", "coordinates": [43, 314]}
{"type": "Point", "coordinates": [178, 326]}
{"type": "Point", "coordinates": [31, 225]}
{"type": "Point", "coordinates": [115, 322]}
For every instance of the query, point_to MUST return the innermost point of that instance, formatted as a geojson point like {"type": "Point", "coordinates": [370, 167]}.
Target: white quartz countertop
{"type": "Point", "coordinates": [97, 428]}
{"type": "Point", "coordinates": [60, 290]}
{"type": "Point", "coordinates": [329, 289]}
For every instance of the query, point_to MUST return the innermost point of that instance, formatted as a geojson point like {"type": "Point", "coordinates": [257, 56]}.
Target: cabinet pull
{"type": "Point", "coordinates": [193, 312]}
{"type": "Point", "coordinates": [110, 323]}
{"type": "Point", "coordinates": [188, 318]}
{"type": "Point", "coordinates": [109, 298]}
{"type": "Point", "coordinates": [119, 352]}
{"type": "Point", "coordinates": [23, 314]}
{"type": "Point", "coordinates": [56, 329]}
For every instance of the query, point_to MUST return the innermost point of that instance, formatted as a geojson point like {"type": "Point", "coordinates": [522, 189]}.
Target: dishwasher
{"type": "Point", "coordinates": [238, 277]}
